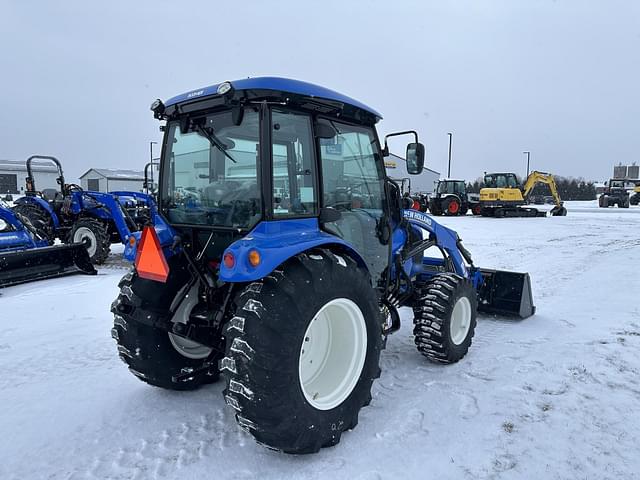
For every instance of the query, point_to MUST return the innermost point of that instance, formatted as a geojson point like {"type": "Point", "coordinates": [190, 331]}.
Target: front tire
{"type": "Point", "coordinates": [445, 317]}
{"type": "Point", "coordinates": [318, 307]}
{"type": "Point", "coordinates": [95, 235]}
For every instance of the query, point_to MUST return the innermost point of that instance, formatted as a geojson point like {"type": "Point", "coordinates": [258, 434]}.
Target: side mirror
{"type": "Point", "coordinates": [415, 158]}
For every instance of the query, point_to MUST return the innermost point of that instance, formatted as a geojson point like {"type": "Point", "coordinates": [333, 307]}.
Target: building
{"type": "Point", "coordinates": [14, 172]}
{"type": "Point", "coordinates": [397, 170]}
{"type": "Point", "coordinates": [629, 172]}
{"type": "Point", "coordinates": [107, 180]}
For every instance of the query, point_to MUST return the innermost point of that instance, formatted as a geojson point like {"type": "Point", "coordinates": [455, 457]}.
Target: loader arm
{"type": "Point", "coordinates": [535, 178]}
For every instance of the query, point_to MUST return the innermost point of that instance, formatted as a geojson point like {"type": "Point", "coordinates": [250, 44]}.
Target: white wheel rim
{"type": "Point", "coordinates": [188, 348]}
{"type": "Point", "coordinates": [332, 354]}
{"type": "Point", "coordinates": [185, 346]}
{"type": "Point", "coordinates": [460, 320]}
{"type": "Point", "coordinates": [83, 234]}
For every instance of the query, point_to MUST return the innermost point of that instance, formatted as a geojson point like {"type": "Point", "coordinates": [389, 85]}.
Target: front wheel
{"type": "Point", "coordinates": [445, 317]}
{"type": "Point", "coordinates": [302, 352]}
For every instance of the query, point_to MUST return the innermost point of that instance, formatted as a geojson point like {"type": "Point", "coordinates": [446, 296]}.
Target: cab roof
{"type": "Point", "coordinates": [279, 85]}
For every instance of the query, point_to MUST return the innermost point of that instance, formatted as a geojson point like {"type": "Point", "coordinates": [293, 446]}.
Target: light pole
{"type": "Point", "coordinates": [450, 141]}
{"type": "Point", "coordinates": [528, 158]}
{"type": "Point", "coordinates": [151, 144]}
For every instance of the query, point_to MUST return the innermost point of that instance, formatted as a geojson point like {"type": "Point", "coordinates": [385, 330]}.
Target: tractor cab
{"type": "Point", "coordinates": [275, 155]}
{"type": "Point", "coordinates": [456, 187]}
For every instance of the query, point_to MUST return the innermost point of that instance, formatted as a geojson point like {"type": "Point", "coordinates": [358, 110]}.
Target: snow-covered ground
{"type": "Point", "coordinates": [553, 396]}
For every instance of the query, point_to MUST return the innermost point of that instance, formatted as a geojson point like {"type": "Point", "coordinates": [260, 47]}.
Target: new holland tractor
{"type": "Point", "coordinates": [26, 256]}
{"type": "Point", "coordinates": [281, 257]}
{"type": "Point", "coordinates": [74, 215]}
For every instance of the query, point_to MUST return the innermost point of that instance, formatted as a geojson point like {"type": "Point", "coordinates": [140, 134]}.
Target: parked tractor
{"type": "Point", "coordinates": [451, 198]}
{"type": "Point", "coordinates": [615, 193]}
{"type": "Point", "coordinates": [503, 197]}
{"type": "Point", "coordinates": [292, 300]}
{"type": "Point", "coordinates": [26, 256]}
{"type": "Point", "coordinates": [74, 215]}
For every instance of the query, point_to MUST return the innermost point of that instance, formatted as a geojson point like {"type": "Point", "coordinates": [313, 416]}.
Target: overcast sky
{"type": "Point", "coordinates": [559, 78]}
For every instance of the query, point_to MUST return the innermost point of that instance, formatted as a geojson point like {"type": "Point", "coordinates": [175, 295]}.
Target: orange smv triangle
{"type": "Point", "coordinates": [150, 261]}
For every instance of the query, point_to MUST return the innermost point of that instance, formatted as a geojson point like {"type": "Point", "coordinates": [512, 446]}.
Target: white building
{"type": "Point", "coordinates": [14, 172]}
{"type": "Point", "coordinates": [397, 170]}
{"type": "Point", "coordinates": [107, 180]}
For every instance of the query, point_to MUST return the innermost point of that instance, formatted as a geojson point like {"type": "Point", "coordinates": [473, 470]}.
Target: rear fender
{"type": "Point", "coordinates": [276, 242]}
{"type": "Point", "coordinates": [32, 200]}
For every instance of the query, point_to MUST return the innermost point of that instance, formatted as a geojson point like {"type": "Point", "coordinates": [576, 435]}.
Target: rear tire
{"type": "Point", "coordinates": [445, 317]}
{"type": "Point", "coordinates": [280, 397]}
{"type": "Point", "coordinates": [603, 202]}
{"type": "Point", "coordinates": [452, 207]}
{"type": "Point", "coordinates": [95, 235]}
{"type": "Point", "coordinates": [140, 309]}
{"type": "Point", "coordinates": [39, 219]}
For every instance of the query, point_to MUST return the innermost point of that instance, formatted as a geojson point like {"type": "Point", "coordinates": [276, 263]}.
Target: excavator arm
{"type": "Point", "coordinates": [535, 178]}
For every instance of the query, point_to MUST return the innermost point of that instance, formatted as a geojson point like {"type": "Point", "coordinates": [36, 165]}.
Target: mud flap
{"type": "Point", "coordinates": [40, 263]}
{"type": "Point", "coordinates": [505, 293]}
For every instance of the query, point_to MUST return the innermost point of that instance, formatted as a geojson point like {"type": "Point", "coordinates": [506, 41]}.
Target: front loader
{"type": "Point", "coordinates": [281, 257]}
{"type": "Point", "coordinates": [25, 256]}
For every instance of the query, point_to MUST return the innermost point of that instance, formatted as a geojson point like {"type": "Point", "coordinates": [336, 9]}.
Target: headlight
{"type": "Point", "coordinates": [224, 87]}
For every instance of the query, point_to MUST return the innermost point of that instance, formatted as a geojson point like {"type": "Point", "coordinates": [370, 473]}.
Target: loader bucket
{"type": "Point", "coordinates": [505, 293]}
{"type": "Point", "coordinates": [40, 263]}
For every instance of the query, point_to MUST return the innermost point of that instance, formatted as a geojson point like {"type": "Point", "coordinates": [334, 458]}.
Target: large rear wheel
{"type": "Point", "coordinates": [141, 330]}
{"type": "Point", "coordinates": [302, 352]}
{"type": "Point", "coordinates": [94, 235]}
{"type": "Point", "coordinates": [38, 218]}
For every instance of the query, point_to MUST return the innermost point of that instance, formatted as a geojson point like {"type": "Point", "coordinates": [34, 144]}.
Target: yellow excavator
{"type": "Point", "coordinates": [635, 198]}
{"type": "Point", "coordinates": [503, 197]}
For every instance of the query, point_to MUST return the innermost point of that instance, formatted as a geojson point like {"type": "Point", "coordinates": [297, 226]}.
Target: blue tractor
{"type": "Point", "coordinates": [281, 257]}
{"type": "Point", "coordinates": [74, 215]}
{"type": "Point", "coordinates": [26, 256]}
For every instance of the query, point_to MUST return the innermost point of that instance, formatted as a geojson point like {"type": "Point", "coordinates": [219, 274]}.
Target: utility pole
{"type": "Point", "coordinates": [450, 140]}
{"type": "Point", "coordinates": [528, 158]}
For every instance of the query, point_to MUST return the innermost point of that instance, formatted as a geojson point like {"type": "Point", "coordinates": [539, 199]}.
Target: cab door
{"type": "Point", "coordinates": [352, 174]}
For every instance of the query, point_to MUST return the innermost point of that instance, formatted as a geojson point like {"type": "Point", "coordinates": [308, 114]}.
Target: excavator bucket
{"type": "Point", "coordinates": [39, 263]}
{"type": "Point", "coordinates": [505, 293]}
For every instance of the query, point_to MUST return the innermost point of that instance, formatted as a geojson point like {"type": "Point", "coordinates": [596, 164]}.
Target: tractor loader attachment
{"type": "Point", "coordinates": [22, 266]}
{"type": "Point", "coordinates": [505, 293]}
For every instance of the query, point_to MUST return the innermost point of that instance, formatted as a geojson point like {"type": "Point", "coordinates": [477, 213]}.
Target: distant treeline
{"type": "Point", "coordinates": [568, 188]}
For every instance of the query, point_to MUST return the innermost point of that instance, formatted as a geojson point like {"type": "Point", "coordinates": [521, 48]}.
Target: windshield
{"type": "Point", "coordinates": [501, 180]}
{"type": "Point", "coordinates": [617, 183]}
{"type": "Point", "coordinates": [451, 187]}
{"type": "Point", "coordinates": [212, 174]}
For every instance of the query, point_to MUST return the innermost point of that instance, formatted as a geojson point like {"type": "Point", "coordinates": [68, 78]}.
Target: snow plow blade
{"type": "Point", "coordinates": [40, 263]}
{"type": "Point", "coordinates": [505, 293]}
